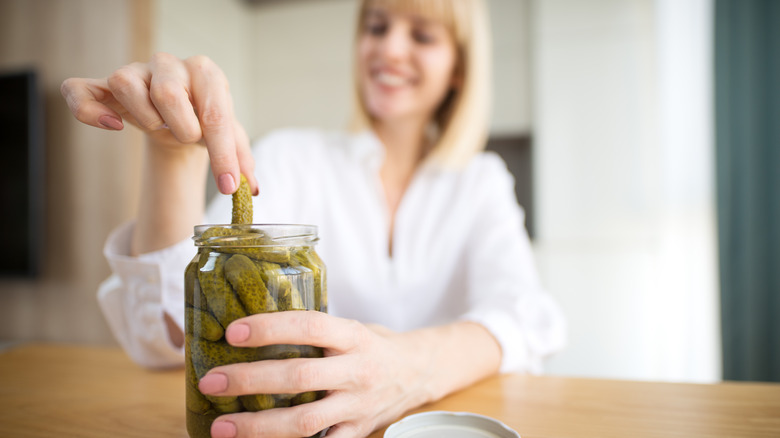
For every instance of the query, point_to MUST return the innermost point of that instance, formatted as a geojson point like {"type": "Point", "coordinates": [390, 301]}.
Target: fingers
{"type": "Point", "coordinates": [298, 328]}
{"type": "Point", "coordinates": [288, 376]}
{"type": "Point", "coordinates": [346, 430]}
{"type": "Point", "coordinates": [84, 98]}
{"type": "Point", "coordinates": [213, 105]}
{"type": "Point", "coordinates": [303, 420]}
{"type": "Point", "coordinates": [129, 85]}
{"type": "Point", "coordinates": [169, 92]}
{"type": "Point", "coordinates": [347, 377]}
{"type": "Point", "coordinates": [190, 97]}
{"type": "Point", "coordinates": [194, 101]}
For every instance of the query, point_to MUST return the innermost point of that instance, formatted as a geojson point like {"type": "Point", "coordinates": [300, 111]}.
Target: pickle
{"type": "Point", "coordinates": [312, 261]}
{"type": "Point", "coordinates": [196, 402]}
{"type": "Point", "coordinates": [283, 400]}
{"type": "Point", "coordinates": [190, 276]}
{"type": "Point", "coordinates": [189, 369]}
{"type": "Point", "coordinates": [199, 425]}
{"type": "Point", "coordinates": [257, 402]}
{"type": "Point", "coordinates": [275, 254]}
{"type": "Point", "coordinates": [287, 351]}
{"type": "Point", "coordinates": [207, 355]}
{"type": "Point", "coordinates": [304, 397]}
{"type": "Point", "coordinates": [242, 203]}
{"type": "Point", "coordinates": [310, 351]}
{"type": "Point", "coordinates": [281, 282]}
{"type": "Point", "coordinates": [279, 351]}
{"type": "Point", "coordinates": [244, 276]}
{"type": "Point", "coordinates": [279, 286]}
{"type": "Point", "coordinates": [226, 405]}
{"type": "Point", "coordinates": [203, 324]}
{"type": "Point", "coordinates": [273, 276]}
{"type": "Point", "coordinates": [242, 241]}
{"type": "Point", "coordinates": [193, 294]}
{"type": "Point", "coordinates": [290, 299]}
{"type": "Point", "coordinates": [222, 300]}
{"type": "Point", "coordinates": [196, 365]}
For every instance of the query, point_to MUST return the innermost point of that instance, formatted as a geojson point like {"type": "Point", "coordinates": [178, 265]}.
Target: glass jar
{"type": "Point", "coordinates": [241, 270]}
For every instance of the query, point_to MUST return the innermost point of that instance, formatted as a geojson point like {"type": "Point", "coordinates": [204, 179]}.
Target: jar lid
{"type": "Point", "coordinates": [449, 424]}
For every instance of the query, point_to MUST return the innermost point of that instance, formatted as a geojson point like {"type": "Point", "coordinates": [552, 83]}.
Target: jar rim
{"type": "Point", "coordinates": [257, 235]}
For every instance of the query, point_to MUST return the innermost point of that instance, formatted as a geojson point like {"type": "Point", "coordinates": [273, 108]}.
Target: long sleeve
{"type": "Point", "coordinates": [134, 298]}
{"type": "Point", "coordinates": [505, 292]}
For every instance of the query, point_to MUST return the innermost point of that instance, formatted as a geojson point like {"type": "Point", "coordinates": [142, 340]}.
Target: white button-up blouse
{"type": "Point", "coordinates": [460, 250]}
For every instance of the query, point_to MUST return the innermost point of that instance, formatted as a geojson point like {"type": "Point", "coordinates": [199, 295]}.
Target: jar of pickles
{"type": "Point", "coordinates": [240, 270]}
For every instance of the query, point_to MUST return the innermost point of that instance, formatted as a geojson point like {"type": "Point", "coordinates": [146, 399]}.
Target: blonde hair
{"type": "Point", "coordinates": [460, 124]}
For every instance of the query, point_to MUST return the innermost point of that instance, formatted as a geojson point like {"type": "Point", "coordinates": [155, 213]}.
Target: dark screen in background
{"type": "Point", "coordinates": [21, 176]}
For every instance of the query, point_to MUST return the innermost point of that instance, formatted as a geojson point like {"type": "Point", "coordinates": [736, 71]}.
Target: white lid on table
{"type": "Point", "coordinates": [450, 425]}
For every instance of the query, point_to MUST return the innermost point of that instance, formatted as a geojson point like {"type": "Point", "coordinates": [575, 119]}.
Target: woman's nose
{"type": "Point", "coordinates": [396, 43]}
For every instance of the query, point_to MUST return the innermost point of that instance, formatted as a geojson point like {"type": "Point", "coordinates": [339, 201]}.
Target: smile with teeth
{"type": "Point", "coordinates": [390, 79]}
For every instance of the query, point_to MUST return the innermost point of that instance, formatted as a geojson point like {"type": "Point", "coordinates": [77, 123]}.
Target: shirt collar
{"type": "Point", "coordinates": [367, 148]}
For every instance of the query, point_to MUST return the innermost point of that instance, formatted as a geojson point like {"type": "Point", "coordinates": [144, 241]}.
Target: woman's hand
{"type": "Point", "coordinates": [372, 376]}
{"type": "Point", "coordinates": [178, 103]}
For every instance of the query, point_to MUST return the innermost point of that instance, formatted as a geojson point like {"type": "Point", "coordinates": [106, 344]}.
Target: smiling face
{"type": "Point", "coordinates": [406, 65]}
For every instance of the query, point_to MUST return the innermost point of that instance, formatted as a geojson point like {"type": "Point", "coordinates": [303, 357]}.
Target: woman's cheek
{"type": "Point", "coordinates": [440, 86]}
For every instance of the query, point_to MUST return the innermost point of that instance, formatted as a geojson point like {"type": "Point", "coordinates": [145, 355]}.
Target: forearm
{"type": "Point", "coordinates": [451, 357]}
{"type": "Point", "coordinates": [172, 196]}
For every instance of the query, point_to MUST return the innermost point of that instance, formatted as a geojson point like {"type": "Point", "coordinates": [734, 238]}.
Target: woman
{"type": "Point", "coordinates": [421, 232]}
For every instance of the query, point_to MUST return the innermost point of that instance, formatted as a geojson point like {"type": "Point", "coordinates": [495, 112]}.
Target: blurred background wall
{"type": "Point", "coordinates": [90, 176]}
{"type": "Point", "coordinates": [615, 95]}
{"type": "Point", "coordinates": [625, 177]}
{"type": "Point", "coordinates": [290, 61]}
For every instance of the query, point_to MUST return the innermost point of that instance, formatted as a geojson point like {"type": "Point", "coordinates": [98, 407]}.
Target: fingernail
{"type": "Point", "coordinates": [227, 184]}
{"type": "Point", "coordinates": [223, 429]}
{"type": "Point", "coordinates": [257, 186]}
{"type": "Point", "coordinates": [237, 333]}
{"type": "Point", "coordinates": [110, 122]}
{"type": "Point", "coordinates": [213, 383]}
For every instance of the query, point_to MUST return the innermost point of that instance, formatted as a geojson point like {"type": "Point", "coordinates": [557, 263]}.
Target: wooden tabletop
{"type": "Point", "coordinates": [79, 391]}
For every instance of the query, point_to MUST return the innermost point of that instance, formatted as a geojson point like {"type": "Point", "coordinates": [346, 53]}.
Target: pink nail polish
{"type": "Point", "coordinates": [223, 429]}
{"type": "Point", "coordinates": [213, 383]}
{"type": "Point", "coordinates": [226, 183]}
{"type": "Point", "coordinates": [110, 122]}
{"type": "Point", "coordinates": [237, 333]}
